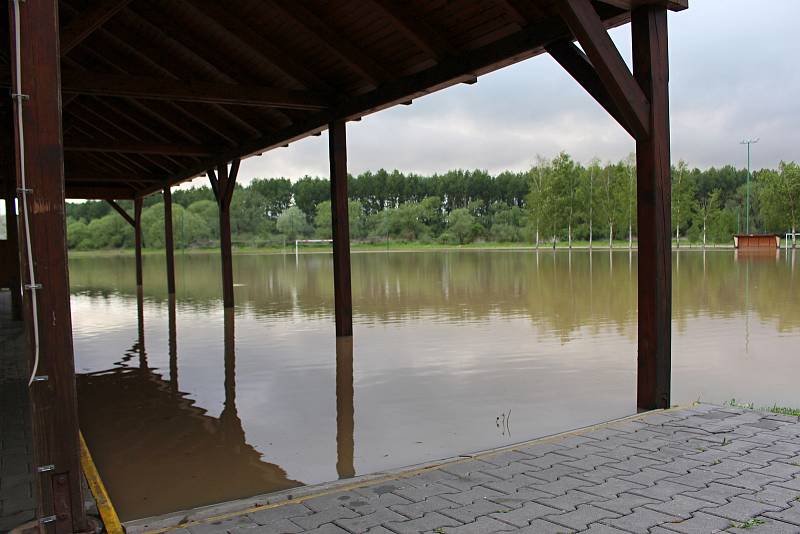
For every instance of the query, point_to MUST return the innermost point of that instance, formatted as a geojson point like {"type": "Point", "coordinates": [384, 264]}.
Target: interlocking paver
{"type": "Point", "coordinates": [700, 523]}
{"type": "Point", "coordinates": [700, 470]}
{"type": "Point", "coordinates": [742, 509]}
{"type": "Point", "coordinates": [523, 515]}
{"type": "Point", "coordinates": [641, 520]}
{"type": "Point", "coordinates": [426, 523]}
{"type": "Point", "coordinates": [790, 515]}
{"type": "Point", "coordinates": [483, 525]}
{"type": "Point", "coordinates": [581, 517]}
{"type": "Point", "coordinates": [680, 506]}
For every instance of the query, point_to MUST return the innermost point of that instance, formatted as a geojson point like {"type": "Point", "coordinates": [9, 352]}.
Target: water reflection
{"type": "Point", "coordinates": [444, 343]}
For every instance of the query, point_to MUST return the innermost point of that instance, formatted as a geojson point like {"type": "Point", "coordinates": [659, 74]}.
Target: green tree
{"type": "Point", "coordinates": [779, 197]}
{"type": "Point", "coordinates": [683, 199]}
{"type": "Point", "coordinates": [707, 208]}
{"type": "Point", "coordinates": [460, 224]}
{"type": "Point", "coordinates": [292, 223]}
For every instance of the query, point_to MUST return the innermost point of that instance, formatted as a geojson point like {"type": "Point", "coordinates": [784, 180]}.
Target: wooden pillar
{"type": "Point", "coordinates": [137, 234]}
{"type": "Point", "coordinates": [345, 420]}
{"type": "Point", "coordinates": [54, 417]}
{"type": "Point", "coordinates": [169, 244]}
{"type": "Point", "coordinates": [651, 70]}
{"type": "Point", "coordinates": [223, 183]}
{"type": "Point", "coordinates": [343, 300]}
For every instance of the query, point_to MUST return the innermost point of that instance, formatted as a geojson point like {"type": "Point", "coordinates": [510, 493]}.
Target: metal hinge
{"type": "Point", "coordinates": [48, 519]}
{"type": "Point", "coordinates": [45, 468]}
{"type": "Point", "coordinates": [40, 378]}
{"type": "Point", "coordinates": [33, 286]}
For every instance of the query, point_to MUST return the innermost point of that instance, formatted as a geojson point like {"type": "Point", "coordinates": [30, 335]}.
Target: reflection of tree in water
{"type": "Point", "coordinates": [557, 291]}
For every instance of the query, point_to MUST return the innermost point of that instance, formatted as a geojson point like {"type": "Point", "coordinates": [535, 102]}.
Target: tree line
{"type": "Point", "coordinates": [555, 201]}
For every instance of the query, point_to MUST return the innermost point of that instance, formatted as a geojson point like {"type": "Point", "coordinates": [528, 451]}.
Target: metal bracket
{"type": "Point", "coordinates": [33, 286]}
{"type": "Point", "coordinates": [40, 378]}
{"type": "Point", "coordinates": [24, 190]}
{"type": "Point", "coordinates": [20, 96]}
{"type": "Point", "coordinates": [45, 468]}
{"type": "Point", "coordinates": [48, 519]}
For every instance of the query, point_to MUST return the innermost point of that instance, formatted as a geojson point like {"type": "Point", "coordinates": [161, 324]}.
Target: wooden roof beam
{"type": "Point", "coordinates": [577, 64]}
{"type": "Point", "coordinates": [416, 29]}
{"type": "Point", "coordinates": [132, 147]}
{"type": "Point", "coordinates": [587, 26]}
{"type": "Point", "coordinates": [99, 192]}
{"type": "Point", "coordinates": [87, 23]}
{"type": "Point", "coordinates": [628, 5]}
{"type": "Point", "coordinates": [97, 84]}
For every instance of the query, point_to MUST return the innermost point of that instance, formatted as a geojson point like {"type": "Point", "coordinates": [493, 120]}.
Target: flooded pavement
{"type": "Point", "coordinates": [453, 352]}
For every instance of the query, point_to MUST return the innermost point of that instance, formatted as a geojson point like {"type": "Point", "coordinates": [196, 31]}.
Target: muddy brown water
{"type": "Point", "coordinates": [184, 405]}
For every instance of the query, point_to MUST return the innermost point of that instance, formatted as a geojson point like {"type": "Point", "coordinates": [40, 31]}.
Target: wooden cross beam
{"type": "Point", "coordinates": [588, 28]}
{"type": "Point", "coordinates": [122, 212]}
{"type": "Point", "coordinates": [577, 64]}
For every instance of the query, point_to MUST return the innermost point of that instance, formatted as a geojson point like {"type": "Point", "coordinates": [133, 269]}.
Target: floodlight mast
{"type": "Point", "coordinates": [748, 142]}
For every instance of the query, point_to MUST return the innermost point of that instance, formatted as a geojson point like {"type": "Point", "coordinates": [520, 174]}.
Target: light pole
{"type": "Point", "coordinates": [748, 142]}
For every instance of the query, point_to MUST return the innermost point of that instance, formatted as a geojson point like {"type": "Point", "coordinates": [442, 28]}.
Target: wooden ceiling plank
{"type": "Point", "coordinates": [346, 51]}
{"type": "Point", "coordinates": [269, 53]}
{"type": "Point", "coordinates": [87, 23]}
{"type": "Point", "coordinates": [416, 29]}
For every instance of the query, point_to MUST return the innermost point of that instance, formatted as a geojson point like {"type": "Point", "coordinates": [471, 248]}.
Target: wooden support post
{"type": "Point", "coordinates": [345, 420]}
{"type": "Point", "coordinates": [54, 417]}
{"type": "Point", "coordinates": [651, 70]}
{"type": "Point", "coordinates": [223, 183]}
{"type": "Point", "coordinates": [343, 300]}
{"type": "Point", "coordinates": [169, 244]}
{"type": "Point", "coordinates": [137, 234]}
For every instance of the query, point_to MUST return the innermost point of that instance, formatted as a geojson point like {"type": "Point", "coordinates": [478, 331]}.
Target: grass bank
{"type": "Point", "coordinates": [386, 246]}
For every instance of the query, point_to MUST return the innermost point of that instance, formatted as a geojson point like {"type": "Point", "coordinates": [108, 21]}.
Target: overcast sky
{"type": "Point", "coordinates": [734, 74]}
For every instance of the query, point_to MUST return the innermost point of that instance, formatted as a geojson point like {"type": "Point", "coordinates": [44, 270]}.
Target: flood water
{"type": "Point", "coordinates": [453, 352]}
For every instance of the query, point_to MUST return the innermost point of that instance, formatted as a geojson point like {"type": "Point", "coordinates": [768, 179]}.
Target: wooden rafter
{"type": "Point", "coordinates": [629, 98]}
{"type": "Point", "coordinates": [98, 84]}
{"type": "Point", "coordinates": [673, 5]}
{"type": "Point", "coordinates": [266, 50]}
{"type": "Point", "coordinates": [129, 147]}
{"type": "Point", "coordinates": [87, 23]}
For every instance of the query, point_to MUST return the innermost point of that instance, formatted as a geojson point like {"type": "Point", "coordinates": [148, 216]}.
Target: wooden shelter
{"type": "Point", "coordinates": [757, 241]}
{"type": "Point", "coordinates": [114, 99]}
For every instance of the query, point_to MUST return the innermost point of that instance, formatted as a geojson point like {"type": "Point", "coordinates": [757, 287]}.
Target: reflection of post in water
{"type": "Point", "coordinates": [140, 324]}
{"type": "Point", "coordinates": [345, 442]}
{"type": "Point", "coordinates": [229, 416]}
{"type": "Point", "coordinates": [173, 345]}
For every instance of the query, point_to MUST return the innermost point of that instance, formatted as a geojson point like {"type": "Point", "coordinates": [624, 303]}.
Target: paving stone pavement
{"type": "Point", "coordinates": [17, 504]}
{"type": "Point", "coordinates": [701, 469]}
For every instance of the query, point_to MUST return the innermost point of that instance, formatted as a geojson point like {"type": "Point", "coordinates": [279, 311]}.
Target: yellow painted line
{"type": "Point", "coordinates": [107, 512]}
{"type": "Point", "coordinates": [410, 473]}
